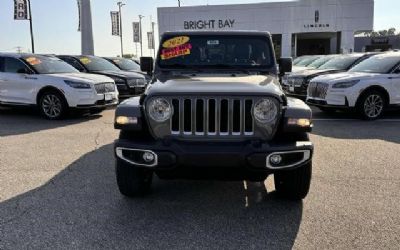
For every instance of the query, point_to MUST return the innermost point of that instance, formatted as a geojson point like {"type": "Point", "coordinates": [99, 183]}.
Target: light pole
{"type": "Point", "coordinates": [31, 26]}
{"type": "Point", "coordinates": [120, 4]}
{"type": "Point", "coordinates": [140, 35]}
{"type": "Point", "coordinates": [179, 3]}
{"type": "Point", "coordinates": [152, 32]}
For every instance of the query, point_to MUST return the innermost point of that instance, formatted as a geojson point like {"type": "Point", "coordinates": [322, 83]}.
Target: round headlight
{"type": "Point", "coordinates": [265, 110]}
{"type": "Point", "coordinates": [159, 109]}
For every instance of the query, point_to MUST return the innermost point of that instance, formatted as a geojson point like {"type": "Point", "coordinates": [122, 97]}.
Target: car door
{"type": "Point", "coordinates": [395, 83]}
{"type": "Point", "coordinates": [16, 82]}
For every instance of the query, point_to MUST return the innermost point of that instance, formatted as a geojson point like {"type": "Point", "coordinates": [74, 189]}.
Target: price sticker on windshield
{"type": "Point", "coordinates": [85, 60]}
{"type": "Point", "coordinates": [33, 60]}
{"type": "Point", "coordinates": [175, 42]}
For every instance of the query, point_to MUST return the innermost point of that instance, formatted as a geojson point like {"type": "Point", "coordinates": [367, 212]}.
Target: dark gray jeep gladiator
{"type": "Point", "coordinates": [214, 109]}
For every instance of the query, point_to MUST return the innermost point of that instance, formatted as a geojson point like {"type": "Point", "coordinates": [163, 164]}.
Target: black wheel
{"type": "Point", "coordinates": [294, 184]}
{"type": "Point", "coordinates": [132, 180]}
{"type": "Point", "coordinates": [52, 105]}
{"type": "Point", "coordinates": [327, 110]}
{"type": "Point", "coordinates": [371, 105]}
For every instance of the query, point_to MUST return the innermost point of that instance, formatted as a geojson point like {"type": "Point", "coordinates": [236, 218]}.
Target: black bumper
{"type": "Point", "coordinates": [213, 160]}
{"type": "Point", "coordinates": [101, 104]}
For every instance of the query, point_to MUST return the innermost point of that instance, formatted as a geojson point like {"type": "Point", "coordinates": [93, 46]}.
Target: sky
{"type": "Point", "coordinates": [55, 23]}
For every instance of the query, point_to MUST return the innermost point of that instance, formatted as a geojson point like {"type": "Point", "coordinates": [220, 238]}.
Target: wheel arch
{"type": "Point", "coordinates": [375, 88]}
{"type": "Point", "coordinates": [49, 88]}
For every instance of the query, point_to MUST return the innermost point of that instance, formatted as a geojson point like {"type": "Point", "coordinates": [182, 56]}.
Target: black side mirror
{"type": "Point", "coordinates": [285, 65]}
{"type": "Point", "coordinates": [146, 64]}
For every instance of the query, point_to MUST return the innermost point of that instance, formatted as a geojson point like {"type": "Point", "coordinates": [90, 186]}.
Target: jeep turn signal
{"type": "Point", "coordinates": [125, 120]}
{"type": "Point", "coordinates": [299, 122]}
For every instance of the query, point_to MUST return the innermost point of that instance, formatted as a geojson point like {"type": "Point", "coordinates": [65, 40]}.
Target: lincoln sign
{"type": "Point", "coordinates": [208, 24]}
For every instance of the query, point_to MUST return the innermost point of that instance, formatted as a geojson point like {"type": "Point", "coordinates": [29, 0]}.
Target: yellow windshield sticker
{"type": "Point", "coordinates": [175, 42]}
{"type": "Point", "coordinates": [33, 61]}
{"type": "Point", "coordinates": [85, 60]}
{"type": "Point", "coordinates": [181, 50]}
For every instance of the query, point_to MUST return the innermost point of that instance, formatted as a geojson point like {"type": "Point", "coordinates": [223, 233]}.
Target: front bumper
{"type": "Point", "coordinates": [214, 160]}
{"type": "Point", "coordinates": [341, 99]}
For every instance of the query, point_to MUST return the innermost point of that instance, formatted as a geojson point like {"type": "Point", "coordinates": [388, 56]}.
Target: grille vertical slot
{"type": "Point", "coordinates": [175, 117]}
{"type": "Point", "coordinates": [236, 116]}
{"type": "Point", "coordinates": [224, 117]}
{"type": "Point", "coordinates": [200, 116]}
{"type": "Point", "coordinates": [187, 116]}
{"type": "Point", "coordinates": [212, 114]}
{"type": "Point", "coordinates": [248, 118]}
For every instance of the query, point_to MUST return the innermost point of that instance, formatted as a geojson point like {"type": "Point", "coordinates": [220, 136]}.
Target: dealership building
{"type": "Point", "coordinates": [298, 27]}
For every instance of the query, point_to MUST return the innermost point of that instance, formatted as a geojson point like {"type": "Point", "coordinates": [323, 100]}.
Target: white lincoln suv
{"type": "Point", "coordinates": [370, 87]}
{"type": "Point", "coordinates": [52, 85]}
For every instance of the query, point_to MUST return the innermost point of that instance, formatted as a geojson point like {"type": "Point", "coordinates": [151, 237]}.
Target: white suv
{"type": "Point", "coordinates": [53, 85]}
{"type": "Point", "coordinates": [370, 87]}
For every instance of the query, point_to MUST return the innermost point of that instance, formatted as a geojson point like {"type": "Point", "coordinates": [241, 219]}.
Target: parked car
{"type": "Point", "coordinates": [370, 87]}
{"type": "Point", "coordinates": [296, 84]}
{"type": "Point", "coordinates": [128, 83]}
{"type": "Point", "coordinates": [127, 65]}
{"type": "Point", "coordinates": [304, 62]}
{"type": "Point", "coordinates": [52, 85]}
{"type": "Point", "coordinates": [215, 115]}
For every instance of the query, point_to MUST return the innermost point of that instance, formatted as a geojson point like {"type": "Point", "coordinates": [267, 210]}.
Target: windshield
{"type": "Point", "coordinates": [319, 62]}
{"type": "Point", "coordinates": [299, 59]}
{"type": "Point", "coordinates": [377, 64]}
{"type": "Point", "coordinates": [125, 64]}
{"type": "Point", "coordinates": [340, 63]}
{"type": "Point", "coordinates": [216, 51]}
{"type": "Point", "coordinates": [49, 65]}
{"type": "Point", "coordinates": [93, 63]}
{"type": "Point", "coordinates": [307, 61]}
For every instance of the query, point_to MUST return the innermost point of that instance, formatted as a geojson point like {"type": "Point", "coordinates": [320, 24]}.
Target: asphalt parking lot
{"type": "Point", "coordinates": [58, 191]}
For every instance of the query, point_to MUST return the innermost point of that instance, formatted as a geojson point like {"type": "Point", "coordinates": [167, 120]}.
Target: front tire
{"type": "Point", "coordinates": [294, 184]}
{"type": "Point", "coordinates": [132, 180]}
{"type": "Point", "coordinates": [52, 105]}
{"type": "Point", "coordinates": [371, 105]}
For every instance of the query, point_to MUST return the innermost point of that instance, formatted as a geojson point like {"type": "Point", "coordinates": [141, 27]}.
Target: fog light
{"type": "Point", "coordinates": [148, 157]}
{"type": "Point", "coordinates": [299, 122]}
{"type": "Point", "coordinates": [275, 159]}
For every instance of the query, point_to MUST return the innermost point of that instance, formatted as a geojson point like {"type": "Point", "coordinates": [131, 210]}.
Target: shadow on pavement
{"type": "Point", "coordinates": [81, 208]}
{"type": "Point", "coordinates": [359, 130]}
{"type": "Point", "coordinates": [17, 121]}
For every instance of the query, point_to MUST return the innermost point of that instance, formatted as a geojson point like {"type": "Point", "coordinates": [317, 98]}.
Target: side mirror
{"type": "Point", "coordinates": [146, 64]}
{"type": "Point", "coordinates": [285, 65]}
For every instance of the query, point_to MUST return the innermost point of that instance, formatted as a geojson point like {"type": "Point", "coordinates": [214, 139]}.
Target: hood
{"type": "Point", "coordinates": [296, 69]}
{"type": "Point", "coordinates": [226, 84]}
{"type": "Point", "coordinates": [346, 76]}
{"type": "Point", "coordinates": [121, 73]}
{"type": "Point", "coordinates": [82, 77]}
{"type": "Point", "coordinates": [312, 72]}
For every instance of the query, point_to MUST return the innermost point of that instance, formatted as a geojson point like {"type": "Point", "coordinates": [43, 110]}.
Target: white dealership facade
{"type": "Point", "coordinates": [298, 27]}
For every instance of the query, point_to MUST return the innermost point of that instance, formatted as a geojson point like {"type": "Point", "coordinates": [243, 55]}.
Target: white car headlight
{"type": "Point", "coordinates": [265, 110]}
{"type": "Point", "coordinates": [77, 85]}
{"type": "Point", "coordinates": [159, 109]}
{"type": "Point", "coordinates": [345, 85]}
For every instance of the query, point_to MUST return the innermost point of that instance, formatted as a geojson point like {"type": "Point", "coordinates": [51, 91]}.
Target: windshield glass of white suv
{"type": "Point", "coordinates": [377, 64]}
{"type": "Point", "coordinates": [340, 63]}
{"type": "Point", "coordinates": [126, 64]}
{"type": "Point", "coordinates": [49, 65]}
{"type": "Point", "coordinates": [93, 63]}
{"type": "Point", "coordinates": [216, 51]}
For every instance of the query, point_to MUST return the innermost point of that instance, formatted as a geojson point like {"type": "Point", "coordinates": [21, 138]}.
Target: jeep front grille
{"type": "Point", "coordinates": [317, 90]}
{"type": "Point", "coordinates": [216, 116]}
{"type": "Point", "coordinates": [102, 88]}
